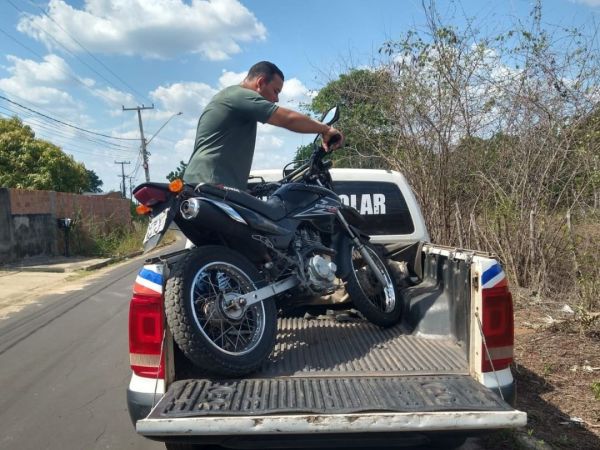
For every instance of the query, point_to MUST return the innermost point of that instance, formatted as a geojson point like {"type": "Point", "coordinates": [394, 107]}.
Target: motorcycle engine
{"type": "Point", "coordinates": [319, 269]}
{"type": "Point", "coordinates": [321, 272]}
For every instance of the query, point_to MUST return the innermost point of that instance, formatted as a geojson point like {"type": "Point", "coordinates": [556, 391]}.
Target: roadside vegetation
{"type": "Point", "coordinates": [101, 239]}
{"type": "Point", "coordinates": [95, 240]}
{"type": "Point", "coordinates": [499, 135]}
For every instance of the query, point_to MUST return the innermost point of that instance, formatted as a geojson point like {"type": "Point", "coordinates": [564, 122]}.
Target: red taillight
{"type": "Point", "coordinates": [150, 196]}
{"type": "Point", "coordinates": [146, 336]}
{"type": "Point", "coordinates": [498, 328]}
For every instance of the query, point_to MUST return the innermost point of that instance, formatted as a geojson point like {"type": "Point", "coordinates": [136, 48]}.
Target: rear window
{"type": "Point", "coordinates": [381, 204]}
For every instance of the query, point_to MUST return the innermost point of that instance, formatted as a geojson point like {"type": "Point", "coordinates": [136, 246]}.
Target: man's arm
{"type": "Point", "coordinates": [294, 121]}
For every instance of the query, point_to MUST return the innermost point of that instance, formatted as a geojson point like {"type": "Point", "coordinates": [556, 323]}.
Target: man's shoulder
{"type": "Point", "coordinates": [237, 91]}
{"type": "Point", "coordinates": [245, 102]}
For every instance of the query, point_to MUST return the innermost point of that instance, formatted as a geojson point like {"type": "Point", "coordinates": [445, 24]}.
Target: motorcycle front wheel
{"type": "Point", "coordinates": [217, 335]}
{"type": "Point", "coordinates": [379, 303]}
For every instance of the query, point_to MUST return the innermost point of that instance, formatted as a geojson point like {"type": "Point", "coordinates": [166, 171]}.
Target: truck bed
{"type": "Point", "coordinates": [330, 367]}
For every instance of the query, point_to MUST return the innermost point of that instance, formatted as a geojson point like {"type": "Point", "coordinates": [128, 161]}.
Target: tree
{"type": "Point", "coordinates": [178, 172]}
{"type": "Point", "coordinates": [94, 182]}
{"type": "Point", "coordinates": [30, 163]}
{"type": "Point", "coordinates": [365, 98]}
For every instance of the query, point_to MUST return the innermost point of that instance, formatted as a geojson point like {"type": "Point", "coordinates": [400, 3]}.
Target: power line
{"type": "Point", "coordinates": [65, 123]}
{"type": "Point", "coordinates": [60, 131]}
{"type": "Point", "coordinates": [88, 52]}
{"type": "Point", "coordinates": [65, 48]}
{"type": "Point", "coordinates": [68, 147]}
{"type": "Point", "coordinates": [70, 75]}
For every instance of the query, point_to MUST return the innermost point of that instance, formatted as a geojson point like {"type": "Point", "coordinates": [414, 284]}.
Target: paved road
{"type": "Point", "coordinates": [64, 370]}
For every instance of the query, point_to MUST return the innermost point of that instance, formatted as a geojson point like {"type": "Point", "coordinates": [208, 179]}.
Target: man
{"type": "Point", "coordinates": [226, 133]}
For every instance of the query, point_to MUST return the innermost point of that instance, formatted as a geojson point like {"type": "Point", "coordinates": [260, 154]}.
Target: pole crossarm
{"type": "Point", "coordinates": [139, 110]}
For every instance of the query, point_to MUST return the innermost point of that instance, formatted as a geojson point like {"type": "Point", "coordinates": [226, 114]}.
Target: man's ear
{"type": "Point", "coordinates": [261, 81]}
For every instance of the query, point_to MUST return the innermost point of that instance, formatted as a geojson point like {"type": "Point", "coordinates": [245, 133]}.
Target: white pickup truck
{"type": "Point", "coordinates": [440, 375]}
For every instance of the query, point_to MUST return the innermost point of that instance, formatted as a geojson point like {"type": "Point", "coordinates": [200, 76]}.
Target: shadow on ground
{"type": "Point", "coordinates": [546, 424]}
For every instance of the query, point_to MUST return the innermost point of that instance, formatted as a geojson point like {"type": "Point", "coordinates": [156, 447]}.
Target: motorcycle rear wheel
{"type": "Point", "coordinates": [219, 338]}
{"type": "Point", "coordinates": [380, 304]}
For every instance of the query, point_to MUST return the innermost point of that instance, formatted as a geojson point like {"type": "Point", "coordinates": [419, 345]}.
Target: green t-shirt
{"type": "Point", "coordinates": [226, 137]}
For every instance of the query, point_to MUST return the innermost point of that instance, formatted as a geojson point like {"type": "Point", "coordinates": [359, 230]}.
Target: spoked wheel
{"type": "Point", "coordinates": [212, 329]}
{"type": "Point", "coordinates": [379, 302]}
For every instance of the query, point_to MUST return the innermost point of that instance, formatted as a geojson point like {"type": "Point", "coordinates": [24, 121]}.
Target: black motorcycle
{"type": "Point", "coordinates": [251, 255]}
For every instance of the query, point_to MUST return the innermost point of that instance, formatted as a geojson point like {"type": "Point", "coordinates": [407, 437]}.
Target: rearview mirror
{"type": "Point", "coordinates": [331, 116]}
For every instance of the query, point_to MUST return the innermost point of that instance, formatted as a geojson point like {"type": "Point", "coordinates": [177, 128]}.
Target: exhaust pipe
{"type": "Point", "coordinates": [189, 208]}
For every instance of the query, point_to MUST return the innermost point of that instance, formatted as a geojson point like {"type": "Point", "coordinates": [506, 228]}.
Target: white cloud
{"type": "Point", "coordinates": [152, 28]}
{"type": "Point", "coordinates": [40, 83]}
{"type": "Point", "coordinates": [190, 98]}
{"type": "Point", "coordinates": [295, 94]}
{"type": "Point", "coordinates": [592, 3]}
{"type": "Point", "coordinates": [114, 98]}
{"type": "Point", "coordinates": [231, 78]}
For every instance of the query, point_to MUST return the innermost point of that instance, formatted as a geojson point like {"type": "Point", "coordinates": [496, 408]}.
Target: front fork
{"type": "Point", "coordinates": [362, 248]}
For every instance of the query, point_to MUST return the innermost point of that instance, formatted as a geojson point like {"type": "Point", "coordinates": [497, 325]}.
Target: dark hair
{"type": "Point", "coordinates": [266, 68]}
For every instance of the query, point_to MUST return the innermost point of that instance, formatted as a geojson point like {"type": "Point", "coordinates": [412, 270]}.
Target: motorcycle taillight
{"type": "Point", "coordinates": [150, 196]}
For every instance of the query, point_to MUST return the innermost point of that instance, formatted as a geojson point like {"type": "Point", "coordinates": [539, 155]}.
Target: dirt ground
{"type": "Point", "coordinates": [557, 369]}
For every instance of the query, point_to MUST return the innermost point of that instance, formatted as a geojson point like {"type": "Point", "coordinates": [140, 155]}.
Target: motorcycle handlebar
{"type": "Point", "coordinates": [313, 163]}
{"type": "Point", "coordinates": [334, 139]}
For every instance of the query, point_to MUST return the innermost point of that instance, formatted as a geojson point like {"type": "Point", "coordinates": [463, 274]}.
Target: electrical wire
{"type": "Point", "coordinates": [68, 146]}
{"type": "Point", "coordinates": [66, 49]}
{"type": "Point", "coordinates": [65, 123]}
{"type": "Point", "coordinates": [125, 83]}
{"type": "Point", "coordinates": [70, 75]}
{"type": "Point", "coordinates": [62, 132]}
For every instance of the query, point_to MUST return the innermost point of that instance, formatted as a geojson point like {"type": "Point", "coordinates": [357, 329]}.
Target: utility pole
{"type": "Point", "coordinates": [144, 153]}
{"type": "Point", "coordinates": [130, 187]}
{"type": "Point", "coordinates": [123, 176]}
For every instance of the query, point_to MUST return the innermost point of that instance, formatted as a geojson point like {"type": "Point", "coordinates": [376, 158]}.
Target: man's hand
{"type": "Point", "coordinates": [336, 136]}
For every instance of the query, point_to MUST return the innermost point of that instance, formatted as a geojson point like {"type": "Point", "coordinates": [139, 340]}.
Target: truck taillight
{"type": "Point", "coordinates": [146, 335]}
{"type": "Point", "coordinates": [498, 328]}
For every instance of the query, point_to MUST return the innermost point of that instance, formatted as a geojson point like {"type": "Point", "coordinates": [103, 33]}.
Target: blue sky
{"type": "Point", "coordinates": [80, 61]}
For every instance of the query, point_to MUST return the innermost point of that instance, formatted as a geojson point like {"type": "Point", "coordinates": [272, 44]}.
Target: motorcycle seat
{"type": "Point", "coordinates": [273, 208]}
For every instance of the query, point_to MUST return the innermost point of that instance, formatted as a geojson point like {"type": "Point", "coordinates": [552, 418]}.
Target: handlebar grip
{"type": "Point", "coordinates": [334, 139]}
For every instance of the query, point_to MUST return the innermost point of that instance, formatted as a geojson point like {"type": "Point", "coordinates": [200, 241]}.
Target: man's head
{"type": "Point", "coordinates": [266, 79]}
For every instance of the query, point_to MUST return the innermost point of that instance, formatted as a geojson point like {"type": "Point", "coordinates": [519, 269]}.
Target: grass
{"type": "Point", "coordinates": [114, 242]}
{"type": "Point", "coordinates": [596, 389]}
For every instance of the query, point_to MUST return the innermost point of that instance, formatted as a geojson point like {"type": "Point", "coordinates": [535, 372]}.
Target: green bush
{"type": "Point", "coordinates": [96, 239]}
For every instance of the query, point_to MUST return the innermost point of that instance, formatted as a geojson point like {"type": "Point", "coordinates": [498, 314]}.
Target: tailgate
{"type": "Point", "coordinates": [336, 377]}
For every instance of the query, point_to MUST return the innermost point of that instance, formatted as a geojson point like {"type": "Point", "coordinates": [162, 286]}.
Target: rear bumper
{"type": "Point", "coordinates": [142, 395]}
{"type": "Point", "coordinates": [466, 421]}
{"type": "Point", "coordinates": [501, 383]}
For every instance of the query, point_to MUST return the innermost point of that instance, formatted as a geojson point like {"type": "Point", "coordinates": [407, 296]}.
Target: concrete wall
{"type": "Point", "coordinates": [28, 219]}
{"type": "Point", "coordinates": [34, 235]}
{"type": "Point", "coordinates": [6, 227]}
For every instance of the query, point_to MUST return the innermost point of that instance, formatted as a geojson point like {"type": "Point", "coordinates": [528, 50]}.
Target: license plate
{"type": "Point", "coordinates": [156, 225]}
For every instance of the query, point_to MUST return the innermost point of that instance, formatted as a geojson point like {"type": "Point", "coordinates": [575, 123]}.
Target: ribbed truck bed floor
{"type": "Point", "coordinates": [326, 371]}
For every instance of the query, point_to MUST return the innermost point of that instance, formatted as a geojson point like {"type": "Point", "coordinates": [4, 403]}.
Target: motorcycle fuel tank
{"type": "Point", "coordinates": [304, 201]}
